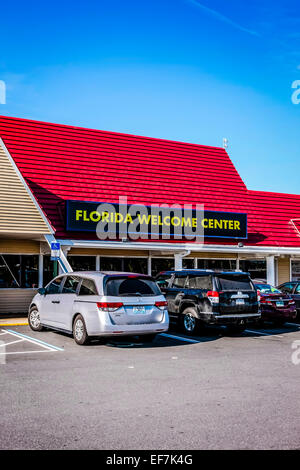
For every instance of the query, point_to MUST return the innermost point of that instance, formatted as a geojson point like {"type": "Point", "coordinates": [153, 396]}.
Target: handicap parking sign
{"type": "Point", "coordinates": [55, 251]}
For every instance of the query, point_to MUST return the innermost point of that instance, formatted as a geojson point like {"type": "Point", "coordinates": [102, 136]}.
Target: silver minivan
{"type": "Point", "coordinates": [95, 303]}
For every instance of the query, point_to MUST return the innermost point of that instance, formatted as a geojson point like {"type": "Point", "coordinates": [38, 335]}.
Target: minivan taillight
{"type": "Point", "coordinates": [109, 306]}
{"type": "Point", "coordinates": [161, 304]}
{"type": "Point", "coordinates": [213, 296]}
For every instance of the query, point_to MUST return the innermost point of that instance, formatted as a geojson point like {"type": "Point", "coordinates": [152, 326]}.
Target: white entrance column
{"type": "Point", "coordinates": [178, 259]}
{"type": "Point", "coordinates": [149, 265]}
{"type": "Point", "coordinates": [271, 275]}
{"type": "Point", "coordinates": [98, 263]}
{"type": "Point", "coordinates": [178, 262]}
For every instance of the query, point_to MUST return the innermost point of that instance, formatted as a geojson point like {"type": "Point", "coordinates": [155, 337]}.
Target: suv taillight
{"type": "Point", "coordinates": [161, 304]}
{"type": "Point", "coordinates": [213, 296]}
{"type": "Point", "coordinates": [109, 306]}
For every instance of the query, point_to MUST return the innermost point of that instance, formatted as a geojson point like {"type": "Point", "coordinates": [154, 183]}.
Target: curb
{"type": "Point", "coordinates": [13, 322]}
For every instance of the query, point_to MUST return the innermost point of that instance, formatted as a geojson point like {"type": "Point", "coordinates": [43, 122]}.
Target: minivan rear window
{"type": "Point", "coordinates": [130, 286]}
{"type": "Point", "coordinates": [228, 282]}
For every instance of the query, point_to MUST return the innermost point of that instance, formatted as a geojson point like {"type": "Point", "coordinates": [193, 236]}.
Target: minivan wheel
{"type": "Point", "coordinates": [34, 320]}
{"type": "Point", "coordinates": [189, 321]}
{"type": "Point", "coordinates": [79, 331]}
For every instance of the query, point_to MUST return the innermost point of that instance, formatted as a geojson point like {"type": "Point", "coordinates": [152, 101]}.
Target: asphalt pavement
{"type": "Point", "coordinates": [210, 392]}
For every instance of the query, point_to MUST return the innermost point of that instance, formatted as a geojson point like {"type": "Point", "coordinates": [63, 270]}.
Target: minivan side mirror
{"type": "Point", "coordinates": [42, 291]}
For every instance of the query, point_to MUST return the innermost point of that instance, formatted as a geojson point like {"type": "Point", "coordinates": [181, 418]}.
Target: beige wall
{"type": "Point", "coordinates": [19, 247]}
{"type": "Point", "coordinates": [18, 213]}
{"type": "Point", "coordinates": [283, 269]}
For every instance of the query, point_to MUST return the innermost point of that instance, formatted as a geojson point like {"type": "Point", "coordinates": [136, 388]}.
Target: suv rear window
{"type": "Point", "coordinates": [229, 282]}
{"type": "Point", "coordinates": [130, 286]}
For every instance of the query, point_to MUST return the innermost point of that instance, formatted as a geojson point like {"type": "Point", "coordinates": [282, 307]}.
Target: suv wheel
{"type": "Point", "coordinates": [34, 320]}
{"type": "Point", "coordinates": [190, 322]}
{"type": "Point", "coordinates": [79, 331]}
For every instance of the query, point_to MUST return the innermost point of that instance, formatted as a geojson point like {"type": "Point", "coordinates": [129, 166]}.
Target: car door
{"type": "Point", "coordinates": [175, 292]}
{"type": "Point", "coordinates": [64, 309]}
{"type": "Point", "coordinates": [296, 296]}
{"type": "Point", "coordinates": [50, 301]}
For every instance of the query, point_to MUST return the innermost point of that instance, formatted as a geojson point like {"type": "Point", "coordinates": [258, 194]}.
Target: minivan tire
{"type": "Point", "coordinates": [189, 322]}
{"type": "Point", "coordinates": [34, 320]}
{"type": "Point", "coordinates": [79, 331]}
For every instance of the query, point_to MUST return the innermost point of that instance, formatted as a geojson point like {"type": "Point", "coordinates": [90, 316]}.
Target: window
{"type": "Point", "coordinates": [231, 282]}
{"type": "Point", "coordinates": [295, 270]}
{"type": "Point", "coordinates": [200, 282]}
{"type": "Point", "coordinates": [110, 264]}
{"type": "Point", "coordinates": [88, 287]}
{"type": "Point", "coordinates": [19, 271]}
{"type": "Point", "coordinates": [135, 265]}
{"type": "Point", "coordinates": [70, 285]}
{"type": "Point", "coordinates": [82, 263]}
{"type": "Point", "coordinates": [164, 280]}
{"type": "Point", "coordinates": [50, 270]}
{"type": "Point", "coordinates": [188, 263]}
{"type": "Point", "coordinates": [287, 288]}
{"type": "Point", "coordinates": [218, 264]}
{"type": "Point", "coordinates": [297, 291]}
{"type": "Point", "coordinates": [161, 264]}
{"type": "Point", "coordinates": [267, 289]}
{"type": "Point", "coordinates": [179, 281]}
{"type": "Point", "coordinates": [54, 286]}
{"type": "Point", "coordinates": [131, 286]}
{"type": "Point", "coordinates": [255, 267]}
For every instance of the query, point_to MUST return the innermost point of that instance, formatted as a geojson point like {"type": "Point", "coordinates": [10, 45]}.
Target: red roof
{"type": "Point", "coordinates": [62, 162]}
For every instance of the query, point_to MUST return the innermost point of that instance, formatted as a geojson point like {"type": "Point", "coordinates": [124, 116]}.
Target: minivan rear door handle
{"type": "Point", "coordinates": [56, 301]}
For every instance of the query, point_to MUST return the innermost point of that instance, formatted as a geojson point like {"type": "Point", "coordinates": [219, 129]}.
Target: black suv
{"type": "Point", "coordinates": [196, 297]}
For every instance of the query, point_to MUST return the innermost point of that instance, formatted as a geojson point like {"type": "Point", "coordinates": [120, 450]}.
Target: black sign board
{"type": "Point", "coordinates": [85, 216]}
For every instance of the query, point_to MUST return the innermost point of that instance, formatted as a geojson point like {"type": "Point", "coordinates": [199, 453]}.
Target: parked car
{"type": "Point", "coordinates": [197, 297]}
{"type": "Point", "coordinates": [89, 304]}
{"type": "Point", "coordinates": [276, 306]}
{"type": "Point", "coordinates": [293, 289]}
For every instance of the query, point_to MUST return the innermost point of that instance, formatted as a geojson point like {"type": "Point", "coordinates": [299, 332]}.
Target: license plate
{"type": "Point", "coordinates": [139, 310]}
{"type": "Point", "coordinates": [240, 302]}
{"type": "Point", "coordinates": [279, 304]}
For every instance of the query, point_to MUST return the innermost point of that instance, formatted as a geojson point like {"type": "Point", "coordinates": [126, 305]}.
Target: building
{"type": "Point", "coordinates": [45, 165]}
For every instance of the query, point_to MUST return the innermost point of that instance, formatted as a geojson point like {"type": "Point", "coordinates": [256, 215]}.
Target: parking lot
{"type": "Point", "coordinates": [210, 392]}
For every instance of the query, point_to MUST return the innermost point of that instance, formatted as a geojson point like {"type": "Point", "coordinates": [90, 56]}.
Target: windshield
{"type": "Point", "coordinates": [267, 289]}
{"type": "Point", "coordinates": [229, 282]}
{"type": "Point", "coordinates": [131, 286]}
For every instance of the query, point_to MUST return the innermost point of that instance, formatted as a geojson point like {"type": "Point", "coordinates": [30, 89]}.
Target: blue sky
{"type": "Point", "coordinates": [187, 70]}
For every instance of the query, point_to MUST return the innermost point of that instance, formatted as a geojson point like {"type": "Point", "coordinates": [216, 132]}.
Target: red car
{"type": "Point", "coordinates": [276, 306]}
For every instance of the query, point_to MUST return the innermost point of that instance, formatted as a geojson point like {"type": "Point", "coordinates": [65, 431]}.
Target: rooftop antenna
{"type": "Point", "coordinates": [225, 143]}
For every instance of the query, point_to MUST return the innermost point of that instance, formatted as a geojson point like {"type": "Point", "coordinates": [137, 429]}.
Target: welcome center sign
{"type": "Point", "coordinates": [113, 221]}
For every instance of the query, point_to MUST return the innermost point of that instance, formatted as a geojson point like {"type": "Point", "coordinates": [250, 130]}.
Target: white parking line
{"type": "Point", "coordinates": [188, 340]}
{"type": "Point", "coordinates": [38, 342]}
{"type": "Point", "coordinates": [263, 333]}
{"type": "Point", "coordinates": [25, 352]}
{"type": "Point", "coordinates": [12, 342]}
{"type": "Point", "coordinates": [21, 337]}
